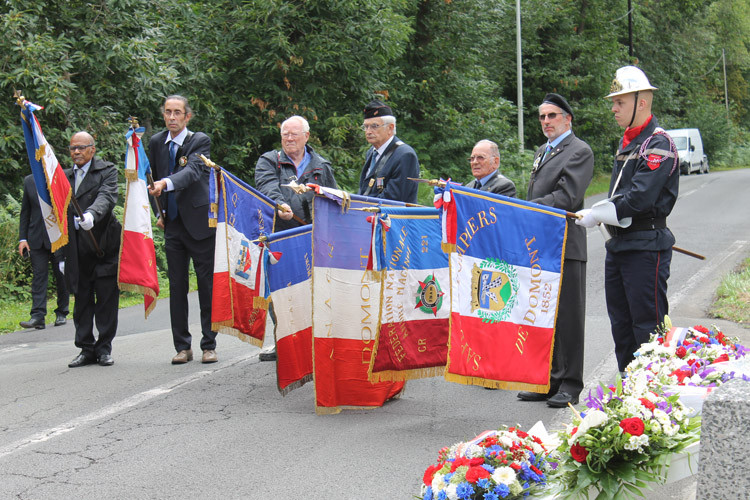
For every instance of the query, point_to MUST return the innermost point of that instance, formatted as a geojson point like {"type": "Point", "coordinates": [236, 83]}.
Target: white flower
{"type": "Point", "coordinates": [451, 491]}
{"type": "Point", "coordinates": [594, 418]}
{"type": "Point", "coordinates": [474, 451]}
{"type": "Point", "coordinates": [504, 475]}
{"type": "Point", "coordinates": [438, 482]}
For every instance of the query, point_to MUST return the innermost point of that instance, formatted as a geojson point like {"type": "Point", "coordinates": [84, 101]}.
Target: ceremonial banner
{"type": "Point", "coordinates": [52, 187]}
{"type": "Point", "coordinates": [137, 267]}
{"type": "Point", "coordinates": [345, 305]}
{"type": "Point", "coordinates": [288, 269]}
{"type": "Point", "coordinates": [506, 262]}
{"type": "Point", "coordinates": [412, 340]}
{"type": "Point", "coordinates": [241, 214]}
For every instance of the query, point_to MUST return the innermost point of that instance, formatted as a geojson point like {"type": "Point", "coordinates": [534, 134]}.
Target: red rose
{"type": "Point", "coordinates": [579, 453]}
{"type": "Point", "coordinates": [647, 403]}
{"type": "Point", "coordinates": [700, 328]}
{"type": "Point", "coordinates": [458, 462]}
{"type": "Point", "coordinates": [633, 426]}
{"type": "Point", "coordinates": [474, 474]}
{"type": "Point", "coordinates": [681, 352]}
{"type": "Point", "coordinates": [722, 358]}
{"type": "Point", "coordinates": [430, 473]}
{"type": "Point", "coordinates": [476, 461]}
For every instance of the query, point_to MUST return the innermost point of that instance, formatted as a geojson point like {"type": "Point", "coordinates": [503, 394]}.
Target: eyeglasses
{"type": "Point", "coordinates": [477, 158]}
{"type": "Point", "coordinates": [372, 126]}
{"type": "Point", "coordinates": [80, 148]}
{"type": "Point", "coordinates": [551, 116]}
{"type": "Point", "coordinates": [292, 135]}
{"type": "Point", "coordinates": [176, 113]}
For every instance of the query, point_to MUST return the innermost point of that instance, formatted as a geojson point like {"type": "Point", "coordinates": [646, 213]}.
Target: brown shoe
{"type": "Point", "coordinates": [209, 356]}
{"type": "Point", "coordinates": [183, 357]}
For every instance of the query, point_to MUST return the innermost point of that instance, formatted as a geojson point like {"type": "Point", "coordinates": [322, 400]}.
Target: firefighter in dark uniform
{"type": "Point", "coordinates": [642, 192]}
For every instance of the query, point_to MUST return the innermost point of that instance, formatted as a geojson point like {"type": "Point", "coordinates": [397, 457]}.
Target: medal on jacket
{"type": "Point", "coordinates": [182, 161]}
{"type": "Point", "coordinates": [537, 162]}
{"type": "Point", "coordinates": [379, 182]}
{"type": "Point", "coordinates": [371, 183]}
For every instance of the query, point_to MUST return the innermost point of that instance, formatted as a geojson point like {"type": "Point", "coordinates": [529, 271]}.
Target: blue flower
{"type": "Point", "coordinates": [502, 490]}
{"type": "Point", "coordinates": [484, 483]}
{"type": "Point", "coordinates": [488, 468]}
{"type": "Point", "coordinates": [447, 477]}
{"type": "Point", "coordinates": [442, 495]}
{"type": "Point", "coordinates": [464, 491]}
{"type": "Point", "coordinates": [427, 493]}
{"type": "Point", "coordinates": [490, 496]}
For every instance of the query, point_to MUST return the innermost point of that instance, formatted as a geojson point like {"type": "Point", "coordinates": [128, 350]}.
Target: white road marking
{"type": "Point", "coordinates": [14, 348]}
{"type": "Point", "coordinates": [115, 408]}
{"type": "Point", "coordinates": [687, 193]}
{"type": "Point", "coordinates": [700, 276]}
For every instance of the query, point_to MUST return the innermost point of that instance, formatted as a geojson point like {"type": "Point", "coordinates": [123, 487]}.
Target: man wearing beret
{"type": "Point", "coordinates": [389, 162]}
{"type": "Point", "coordinates": [562, 171]}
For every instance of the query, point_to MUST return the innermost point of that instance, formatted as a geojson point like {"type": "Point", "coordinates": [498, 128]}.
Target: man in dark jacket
{"type": "Point", "coordinates": [643, 190]}
{"type": "Point", "coordinates": [182, 182]}
{"type": "Point", "coordinates": [34, 244]}
{"type": "Point", "coordinates": [485, 167]}
{"type": "Point", "coordinates": [562, 171]}
{"type": "Point", "coordinates": [296, 161]}
{"type": "Point", "coordinates": [92, 273]}
{"type": "Point", "coordinates": [390, 162]}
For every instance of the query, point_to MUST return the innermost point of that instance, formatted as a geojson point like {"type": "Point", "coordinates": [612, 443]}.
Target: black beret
{"type": "Point", "coordinates": [376, 109]}
{"type": "Point", "coordinates": [558, 101]}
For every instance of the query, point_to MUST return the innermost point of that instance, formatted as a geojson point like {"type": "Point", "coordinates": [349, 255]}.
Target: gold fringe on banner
{"type": "Point", "coordinates": [404, 375]}
{"type": "Point", "coordinates": [261, 303]}
{"type": "Point", "coordinates": [131, 175]}
{"type": "Point", "coordinates": [236, 333]}
{"type": "Point", "coordinates": [295, 385]}
{"type": "Point", "coordinates": [130, 287]}
{"type": "Point", "coordinates": [448, 248]}
{"type": "Point", "coordinates": [495, 384]}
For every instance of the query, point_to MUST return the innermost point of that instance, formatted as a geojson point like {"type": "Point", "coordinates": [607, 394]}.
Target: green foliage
{"type": "Point", "coordinates": [15, 271]}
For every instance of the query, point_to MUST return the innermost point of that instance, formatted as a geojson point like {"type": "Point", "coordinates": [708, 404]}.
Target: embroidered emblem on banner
{"type": "Point", "coordinates": [429, 295]}
{"type": "Point", "coordinates": [654, 161]}
{"type": "Point", "coordinates": [494, 287]}
{"type": "Point", "coordinates": [244, 261]}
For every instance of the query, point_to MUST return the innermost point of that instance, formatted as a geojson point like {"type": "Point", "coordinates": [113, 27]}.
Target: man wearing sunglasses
{"type": "Point", "coordinates": [485, 167]}
{"type": "Point", "coordinates": [389, 162]}
{"type": "Point", "coordinates": [563, 168]}
{"type": "Point", "coordinates": [92, 274]}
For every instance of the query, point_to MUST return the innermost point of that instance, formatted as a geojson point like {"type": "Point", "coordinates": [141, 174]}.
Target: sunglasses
{"type": "Point", "coordinates": [551, 116]}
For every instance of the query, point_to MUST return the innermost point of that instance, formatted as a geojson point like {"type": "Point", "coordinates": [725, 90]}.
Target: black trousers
{"type": "Point", "coordinates": [97, 301]}
{"type": "Point", "coordinates": [181, 248]}
{"type": "Point", "coordinates": [40, 262]}
{"type": "Point", "coordinates": [635, 283]}
{"type": "Point", "coordinates": [567, 357]}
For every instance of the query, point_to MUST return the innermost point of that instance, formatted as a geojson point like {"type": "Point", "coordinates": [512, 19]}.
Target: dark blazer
{"type": "Point", "coordinates": [560, 181]}
{"type": "Point", "coordinates": [394, 173]}
{"type": "Point", "coordinates": [96, 194]}
{"type": "Point", "coordinates": [497, 184]}
{"type": "Point", "coordinates": [31, 226]}
{"type": "Point", "coordinates": [190, 181]}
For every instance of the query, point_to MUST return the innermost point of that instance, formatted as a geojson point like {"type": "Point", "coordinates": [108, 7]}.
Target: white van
{"type": "Point", "coordinates": [690, 149]}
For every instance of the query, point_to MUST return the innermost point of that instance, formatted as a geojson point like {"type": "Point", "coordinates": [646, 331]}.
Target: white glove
{"type": "Point", "coordinates": [61, 266]}
{"type": "Point", "coordinates": [87, 222]}
{"type": "Point", "coordinates": [587, 218]}
{"type": "Point", "coordinates": [77, 222]}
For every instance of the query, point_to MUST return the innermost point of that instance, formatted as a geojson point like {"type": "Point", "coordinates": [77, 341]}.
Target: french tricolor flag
{"type": "Point", "coordinates": [52, 186]}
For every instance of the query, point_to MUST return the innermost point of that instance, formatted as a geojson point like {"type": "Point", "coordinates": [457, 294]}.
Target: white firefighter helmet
{"type": "Point", "coordinates": [629, 79]}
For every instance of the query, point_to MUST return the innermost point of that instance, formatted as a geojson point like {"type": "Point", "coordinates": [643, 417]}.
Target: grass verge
{"type": "Point", "coordinates": [733, 296]}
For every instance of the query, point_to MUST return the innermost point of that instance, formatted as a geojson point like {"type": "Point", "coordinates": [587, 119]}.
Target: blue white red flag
{"type": "Point", "coordinates": [52, 186]}
{"type": "Point", "coordinates": [506, 261]}
{"type": "Point", "coordinates": [137, 268]}
{"type": "Point", "coordinates": [346, 305]}
{"type": "Point", "coordinates": [412, 339]}
{"type": "Point", "coordinates": [288, 268]}
{"type": "Point", "coordinates": [241, 216]}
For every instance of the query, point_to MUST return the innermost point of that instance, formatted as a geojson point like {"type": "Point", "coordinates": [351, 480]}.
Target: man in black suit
{"type": "Point", "coordinates": [182, 185]}
{"type": "Point", "coordinates": [485, 167]}
{"type": "Point", "coordinates": [390, 162]}
{"type": "Point", "coordinates": [34, 244]}
{"type": "Point", "coordinates": [562, 171]}
{"type": "Point", "coordinates": [92, 274]}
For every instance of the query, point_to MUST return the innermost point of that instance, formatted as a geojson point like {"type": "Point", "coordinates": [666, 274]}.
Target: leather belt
{"type": "Point", "coordinates": [648, 224]}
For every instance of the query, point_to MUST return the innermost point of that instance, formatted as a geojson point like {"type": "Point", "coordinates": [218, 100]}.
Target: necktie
{"type": "Point", "coordinates": [546, 151]}
{"type": "Point", "coordinates": [79, 178]}
{"type": "Point", "coordinates": [171, 201]}
{"type": "Point", "coordinates": [373, 162]}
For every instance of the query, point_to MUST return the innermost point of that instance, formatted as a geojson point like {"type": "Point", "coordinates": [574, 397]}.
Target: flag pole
{"type": "Point", "coordinates": [216, 167]}
{"type": "Point", "coordinates": [74, 201]}
{"type": "Point", "coordinates": [149, 178]}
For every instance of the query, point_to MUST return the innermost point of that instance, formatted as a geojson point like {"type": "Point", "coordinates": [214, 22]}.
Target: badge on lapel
{"type": "Point", "coordinates": [182, 161]}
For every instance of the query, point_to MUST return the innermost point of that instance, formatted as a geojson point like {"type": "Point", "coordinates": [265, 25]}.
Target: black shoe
{"type": "Point", "coordinates": [268, 354]}
{"type": "Point", "coordinates": [81, 360]}
{"type": "Point", "coordinates": [106, 360]}
{"type": "Point", "coordinates": [33, 323]}
{"type": "Point", "coordinates": [532, 396]}
{"type": "Point", "coordinates": [60, 320]}
{"type": "Point", "coordinates": [562, 399]}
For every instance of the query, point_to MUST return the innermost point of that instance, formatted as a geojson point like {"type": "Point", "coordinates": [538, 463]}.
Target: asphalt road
{"type": "Point", "coordinates": [145, 429]}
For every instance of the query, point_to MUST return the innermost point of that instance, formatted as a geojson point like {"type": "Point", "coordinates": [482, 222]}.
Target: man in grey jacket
{"type": "Point", "coordinates": [485, 167]}
{"type": "Point", "coordinates": [562, 171]}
